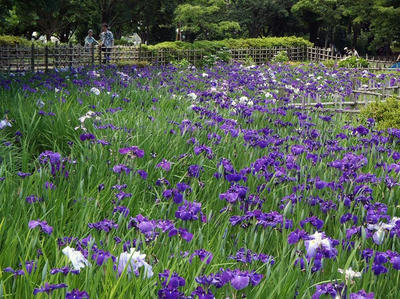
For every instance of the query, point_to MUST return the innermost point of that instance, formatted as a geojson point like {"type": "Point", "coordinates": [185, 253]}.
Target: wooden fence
{"type": "Point", "coordinates": [360, 97]}
{"type": "Point", "coordinates": [33, 58]}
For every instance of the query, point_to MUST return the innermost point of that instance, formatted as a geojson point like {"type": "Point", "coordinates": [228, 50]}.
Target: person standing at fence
{"type": "Point", "coordinates": [90, 40]}
{"type": "Point", "coordinates": [355, 53]}
{"type": "Point", "coordinates": [107, 42]}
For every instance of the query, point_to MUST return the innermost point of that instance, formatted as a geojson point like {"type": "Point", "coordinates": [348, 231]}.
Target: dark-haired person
{"type": "Point", "coordinates": [107, 42]}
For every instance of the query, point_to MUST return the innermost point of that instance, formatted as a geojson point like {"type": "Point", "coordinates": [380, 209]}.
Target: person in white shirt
{"type": "Point", "coordinates": [107, 42]}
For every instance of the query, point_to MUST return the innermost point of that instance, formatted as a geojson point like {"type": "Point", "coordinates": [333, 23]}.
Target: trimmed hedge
{"type": "Point", "coordinates": [212, 46]}
{"type": "Point", "coordinates": [10, 40]}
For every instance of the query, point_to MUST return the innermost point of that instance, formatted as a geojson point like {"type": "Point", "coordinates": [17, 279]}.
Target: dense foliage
{"type": "Point", "coordinates": [385, 113]}
{"type": "Point", "coordinates": [372, 25]}
{"type": "Point", "coordinates": [224, 189]}
{"type": "Point", "coordinates": [354, 62]}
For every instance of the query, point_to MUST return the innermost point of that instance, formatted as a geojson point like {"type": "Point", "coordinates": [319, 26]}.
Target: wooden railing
{"type": "Point", "coordinates": [360, 97]}
{"type": "Point", "coordinates": [33, 58]}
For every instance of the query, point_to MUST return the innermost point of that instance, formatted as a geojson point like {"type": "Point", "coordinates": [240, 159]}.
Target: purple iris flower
{"type": "Point", "coordinates": [48, 288]}
{"type": "Point", "coordinates": [77, 294]}
{"type": "Point", "coordinates": [236, 278]}
{"type": "Point", "coordinates": [248, 257]}
{"type": "Point", "coordinates": [182, 232]}
{"type": "Point", "coordinates": [202, 148]}
{"type": "Point", "coordinates": [42, 224]}
{"type": "Point", "coordinates": [23, 174]}
{"type": "Point", "coordinates": [314, 221]}
{"type": "Point", "coordinates": [362, 295]}
{"type": "Point", "coordinates": [33, 198]}
{"type": "Point", "coordinates": [202, 294]}
{"type": "Point", "coordinates": [121, 209]}
{"type": "Point", "coordinates": [105, 225]}
{"type": "Point", "coordinates": [87, 136]}
{"type": "Point", "coordinates": [170, 287]}
{"type": "Point", "coordinates": [143, 174]}
{"type": "Point", "coordinates": [15, 272]}
{"type": "Point", "coordinates": [189, 211]}
{"type": "Point", "coordinates": [120, 168]}
{"type": "Point", "coordinates": [49, 185]}
{"type": "Point", "coordinates": [134, 151]}
{"type": "Point", "coordinates": [146, 226]}
{"type": "Point", "coordinates": [122, 195]}
{"type": "Point", "coordinates": [65, 270]}
{"type": "Point", "coordinates": [334, 290]}
{"type": "Point", "coordinates": [203, 255]}
{"type": "Point", "coordinates": [297, 149]}
{"type": "Point", "coordinates": [164, 164]}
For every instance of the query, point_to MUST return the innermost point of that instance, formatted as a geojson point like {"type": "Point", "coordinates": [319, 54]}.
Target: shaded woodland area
{"type": "Point", "coordinates": [369, 25]}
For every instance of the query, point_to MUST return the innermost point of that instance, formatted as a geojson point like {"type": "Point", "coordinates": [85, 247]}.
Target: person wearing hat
{"type": "Point", "coordinates": [90, 40]}
{"type": "Point", "coordinates": [107, 42]}
{"type": "Point", "coordinates": [347, 52]}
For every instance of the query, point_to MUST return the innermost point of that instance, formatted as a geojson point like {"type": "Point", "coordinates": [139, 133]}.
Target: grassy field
{"type": "Point", "coordinates": [226, 191]}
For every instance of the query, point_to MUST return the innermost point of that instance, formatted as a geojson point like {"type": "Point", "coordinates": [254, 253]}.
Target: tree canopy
{"type": "Point", "coordinates": [368, 25]}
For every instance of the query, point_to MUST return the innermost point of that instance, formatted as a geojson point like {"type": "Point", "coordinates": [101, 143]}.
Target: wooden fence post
{"type": "Point", "coordinates": [100, 56]}
{"type": "Point", "coordinates": [56, 54]}
{"type": "Point", "coordinates": [33, 57]}
{"type": "Point", "coordinates": [70, 54]}
{"type": "Point", "coordinates": [46, 58]}
{"type": "Point", "coordinates": [92, 54]}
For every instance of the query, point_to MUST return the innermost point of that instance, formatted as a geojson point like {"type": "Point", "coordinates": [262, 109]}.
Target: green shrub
{"type": "Point", "coordinates": [214, 51]}
{"type": "Point", "coordinates": [183, 63]}
{"type": "Point", "coordinates": [121, 42]}
{"type": "Point", "coordinates": [129, 63]}
{"type": "Point", "coordinates": [386, 114]}
{"type": "Point", "coordinates": [282, 56]}
{"type": "Point", "coordinates": [353, 62]}
{"type": "Point", "coordinates": [9, 40]}
{"type": "Point", "coordinates": [211, 59]}
{"type": "Point", "coordinates": [213, 46]}
{"type": "Point", "coordinates": [330, 63]}
{"type": "Point", "coordinates": [249, 61]}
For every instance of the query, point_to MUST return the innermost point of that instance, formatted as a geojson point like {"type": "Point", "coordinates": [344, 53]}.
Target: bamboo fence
{"type": "Point", "coordinates": [19, 58]}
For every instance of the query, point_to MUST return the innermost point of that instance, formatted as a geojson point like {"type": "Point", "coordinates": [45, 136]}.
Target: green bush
{"type": "Point", "coordinates": [330, 63]}
{"type": "Point", "coordinates": [386, 114]}
{"type": "Point", "coordinates": [121, 42]}
{"type": "Point", "coordinates": [249, 61]}
{"type": "Point", "coordinates": [9, 40]}
{"type": "Point", "coordinates": [353, 62]}
{"type": "Point", "coordinates": [282, 56]}
{"type": "Point", "coordinates": [213, 46]}
{"type": "Point", "coordinates": [129, 63]}
{"type": "Point", "coordinates": [214, 51]}
{"type": "Point", "coordinates": [183, 63]}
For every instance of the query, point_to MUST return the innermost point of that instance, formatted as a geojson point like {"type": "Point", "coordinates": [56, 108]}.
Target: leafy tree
{"type": "Point", "coordinates": [59, 17]}
{"type": "Point", "coordinates": [357, 17]}
{"type": "Point", "coordinates": [206, 19]}
{"type": "Point", "coordinates": [385, 23]}
{"type": "Point", "coordinates": [263, 17]}
{"type": "Point", "coordinates": [317, 15]}
{"type": "Point", "coordinates": [5, 6]}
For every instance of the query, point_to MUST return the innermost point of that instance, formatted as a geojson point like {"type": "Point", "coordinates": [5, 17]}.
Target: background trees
{"type": "Point", "coordinates": [368, 25]}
